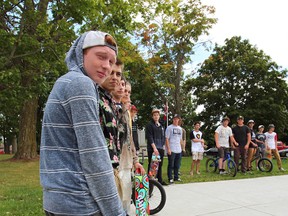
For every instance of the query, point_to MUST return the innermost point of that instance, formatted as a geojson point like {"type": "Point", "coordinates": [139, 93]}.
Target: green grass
{"type": "Point", "coordinates": [21, 193]}
{"type": "Point", "coordinates": [208, 177]}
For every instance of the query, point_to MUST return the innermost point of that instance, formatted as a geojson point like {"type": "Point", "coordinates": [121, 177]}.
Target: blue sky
{"type": "Point", "coordinates": [262, 22]}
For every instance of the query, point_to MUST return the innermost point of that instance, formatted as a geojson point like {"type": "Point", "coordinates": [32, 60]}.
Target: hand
{"type": "Point", "coordinates": [156, 152]}
{"type": "Point", "coordinates": [140, 167]}
{"type": "Point", "coordinates": [169, 152]}
{"type": "Point", "coordinates": [236, 144]}
{"type": "Point", "coordinates": [218, 146]}
{"type": "Point", "coordinates": [246, 147]}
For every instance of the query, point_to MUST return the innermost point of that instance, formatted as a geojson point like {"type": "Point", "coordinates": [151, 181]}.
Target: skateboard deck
{"type": "Point", "coordinates": [141, 194]}
{"type": "Point", "coordinates": [154, 165]}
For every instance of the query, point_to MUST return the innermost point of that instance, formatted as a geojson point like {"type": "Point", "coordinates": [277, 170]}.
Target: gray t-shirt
{"type": "Point", "coordinates": [174, 134]}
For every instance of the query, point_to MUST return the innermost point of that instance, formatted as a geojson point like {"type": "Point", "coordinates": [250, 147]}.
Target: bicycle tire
{"type": "Point", "coordinates": [157, 196]}
{"type": "Point", "coordinates": [211, 165]}
{"type": "Point", "coordinates": [231, 168]}
{"type": "Point", "coordinates": [265, 165]}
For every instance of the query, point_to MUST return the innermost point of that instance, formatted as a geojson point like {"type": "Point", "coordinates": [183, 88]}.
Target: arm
{"type": "Point", "coordinates": [216, 138]}
{"type": "Point", "coordinates": [82, 102]}
{"type": "Point", "coordinates": [248, 139]}
{"type": "Point", "coordinates": [150, 138]}
{"type": "Point", "coordinates": [168, 146]}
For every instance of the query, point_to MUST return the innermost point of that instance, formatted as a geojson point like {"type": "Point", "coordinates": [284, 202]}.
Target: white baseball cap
{"type": "Point", "coordinates": [98, 38]}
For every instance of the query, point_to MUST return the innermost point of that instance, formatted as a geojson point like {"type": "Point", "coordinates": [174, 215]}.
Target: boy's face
{"type": "Point", "coordinates": [119, 89]}
{"type": "Point", "coordinates": [98, 62]}
{"type": "Point", "coordinates": [156, 116]}
{"type": "Point", "coordinates": [112, 80]}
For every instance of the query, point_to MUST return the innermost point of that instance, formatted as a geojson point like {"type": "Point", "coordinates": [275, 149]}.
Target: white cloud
{"type": "Point", "coordinates": [262, 22]}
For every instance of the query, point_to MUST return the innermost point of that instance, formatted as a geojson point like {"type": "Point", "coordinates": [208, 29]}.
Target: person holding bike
{"type": "Point", "coordinates": [222, 135]}
{"type": "Point", "coordinates": [252, 146]}
{"type": "Point", "coordinates": [242, 136]}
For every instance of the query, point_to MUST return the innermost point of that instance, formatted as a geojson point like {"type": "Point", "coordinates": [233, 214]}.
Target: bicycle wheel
{"type": "Point", "coordinates": [157, 196]}
{"type": "Point", "coordinates": [231, 168]}
{"type": "Point", "coordinates": [265, 165]}
{"type": "Point", "coordinates": [211, 165]}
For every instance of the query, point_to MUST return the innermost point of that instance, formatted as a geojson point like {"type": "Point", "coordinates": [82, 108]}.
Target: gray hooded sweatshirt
{"type": "Point", "coordinates": [75, 169]}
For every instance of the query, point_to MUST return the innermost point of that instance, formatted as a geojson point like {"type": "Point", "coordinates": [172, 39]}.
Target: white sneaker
{"type": "Point", "coordinates": [281, 169]}
{"type": "Point", "coordinates": [171, 181]}
{"type": "Point", "coordinates": [223, 172]}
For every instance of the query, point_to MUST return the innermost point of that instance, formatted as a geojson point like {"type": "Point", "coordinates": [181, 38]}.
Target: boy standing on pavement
{"type": "Point", "coordinates": [173, 147]}
{"type": "Point", "coordinates": [197, 148]}
{"type": "Point", "coordinates": [223, 134]}
{"type": "Point", "coordinates": [155, 142]}
{"type": "Point", "coordinates": [242, 136]}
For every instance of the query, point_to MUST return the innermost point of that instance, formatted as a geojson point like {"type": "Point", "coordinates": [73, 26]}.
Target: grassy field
{"type": "Point", "coordinates": [21, 194]}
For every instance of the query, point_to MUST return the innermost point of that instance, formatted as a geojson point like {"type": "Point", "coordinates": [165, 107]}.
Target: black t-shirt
{"type": "Point", "coordinates": [240, 134]}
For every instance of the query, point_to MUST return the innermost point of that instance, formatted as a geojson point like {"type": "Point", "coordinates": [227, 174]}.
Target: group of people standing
{"type": "Point", "coordinates": [245, 142]}
{"type": "Point", "coordinates": [87, 152]}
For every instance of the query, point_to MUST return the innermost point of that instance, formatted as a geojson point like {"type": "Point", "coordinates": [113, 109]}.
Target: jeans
{"type": "Point", "coordinates": [159, 173]}
{"type": "Point", "coordinates": [173, 165]}
{"type": "Point", "coordinates": [240, 150]}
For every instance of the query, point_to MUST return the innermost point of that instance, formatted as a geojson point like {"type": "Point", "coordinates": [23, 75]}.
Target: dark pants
{"type": "Point", "coordinates": [173, 165]}
{"type": "Point", "coordinates": [51, 214]}
{"type": "Point", "coordinates": [159, 173]}
{"type": "Point", "coordinates": [240, 150]}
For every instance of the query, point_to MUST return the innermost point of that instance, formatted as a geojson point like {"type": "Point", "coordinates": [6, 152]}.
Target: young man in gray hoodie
{"type": "Point", "coordinates": [75, 169]}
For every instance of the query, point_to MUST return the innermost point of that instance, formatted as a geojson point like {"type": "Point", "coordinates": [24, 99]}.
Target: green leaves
{"type": "Point", "coordinates": [239, 79]}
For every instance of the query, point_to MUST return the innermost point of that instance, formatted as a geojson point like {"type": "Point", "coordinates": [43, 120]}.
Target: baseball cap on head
{"type": "Point", "coordinates": [250, 121]}
{"type": "Point", "coordinates": [240, 117]}
{"type": "Point", "coordinates": [98, 38]}
{"type": "Point", "coordinates": [261, 126]}
{"type": "Point", "coordinates": [133, 107]}
{"type": "Point", "coordinates": [155, 110]}
{"type": "Point", "coordinates": [226, 118]}
{"type": "Point", "coordinates": [271, 126]}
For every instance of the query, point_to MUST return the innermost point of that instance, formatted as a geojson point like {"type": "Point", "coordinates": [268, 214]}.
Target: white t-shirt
{"type": "Point", "coordinates": [196, 146]}
{"type": "Point", "coordinates": [223, 135]}
{"type": "Point", "coordinates": [270, 139]}
{"type": "Point", "coordinates": [174, 134]}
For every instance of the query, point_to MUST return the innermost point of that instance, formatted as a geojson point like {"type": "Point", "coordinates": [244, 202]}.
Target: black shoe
{"type": "Point", "coordinates": [163, 183]}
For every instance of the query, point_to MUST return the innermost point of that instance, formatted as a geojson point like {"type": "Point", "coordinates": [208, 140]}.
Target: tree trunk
{"type": "Point", "coordinates": [14, 144]}
{"type": "Point", "coordinates": [27, 146]}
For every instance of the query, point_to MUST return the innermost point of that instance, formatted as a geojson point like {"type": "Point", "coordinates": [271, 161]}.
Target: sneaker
{"type": "Point", "coordinates": [281, 169]}
{"type": "Point", "coordinates": [179, 180]}
{"type": "Point", "coordinates": [223, 172]}
{"type": "Point", "coordinates": [191, 173]}
{"type": "Point", "coordinates": [164, 183]}
{"type": "Point", "coordinates": [171, 181]}
{"type": "Point", "coordinates": [198, 173]}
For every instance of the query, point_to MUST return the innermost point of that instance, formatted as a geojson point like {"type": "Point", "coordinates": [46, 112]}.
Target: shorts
{"type": "Point", "coordinates": [222, 151]}
{"type": "Point", "coordinates": [197, 155]}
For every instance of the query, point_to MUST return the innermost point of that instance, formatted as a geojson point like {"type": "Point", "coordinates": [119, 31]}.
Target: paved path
{"type": "Point", "coordinates": [244, 197]}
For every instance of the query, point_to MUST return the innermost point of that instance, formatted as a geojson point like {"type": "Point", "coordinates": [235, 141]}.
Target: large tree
{"type": "Point", "coordinates": [35, 35]}
{"type": "Point", "coordinates": [168, 40]}
{"type": "Point", "coordinates": [240, 79]}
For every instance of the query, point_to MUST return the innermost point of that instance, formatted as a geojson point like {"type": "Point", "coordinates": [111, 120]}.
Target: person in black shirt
{"type": "Point", "coordinates": [242, 136]}
{"type": "Point", "coordinates": [133, 113]}
{"type": "Point", "coordinates": [155, 136]}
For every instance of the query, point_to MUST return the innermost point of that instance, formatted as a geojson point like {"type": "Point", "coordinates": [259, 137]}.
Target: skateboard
{"type": "Point", "coordinates": [154, 165]}
{"type": "Point", "coordinates": [141, 194]}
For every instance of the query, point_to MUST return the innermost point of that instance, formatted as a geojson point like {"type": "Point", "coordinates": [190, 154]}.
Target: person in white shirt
{"type": "Point", "coordinates": [197, 148]}
{"type": "Point", "coordinates": [222, 136]}
{"type": "Point", "coordinates": [271, 146]}
{"type": "Point", "coordinates": [173, 147]}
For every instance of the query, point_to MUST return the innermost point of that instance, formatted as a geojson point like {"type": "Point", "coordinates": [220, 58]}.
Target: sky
{"type": "Point", "coordinates": [262, 22]}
